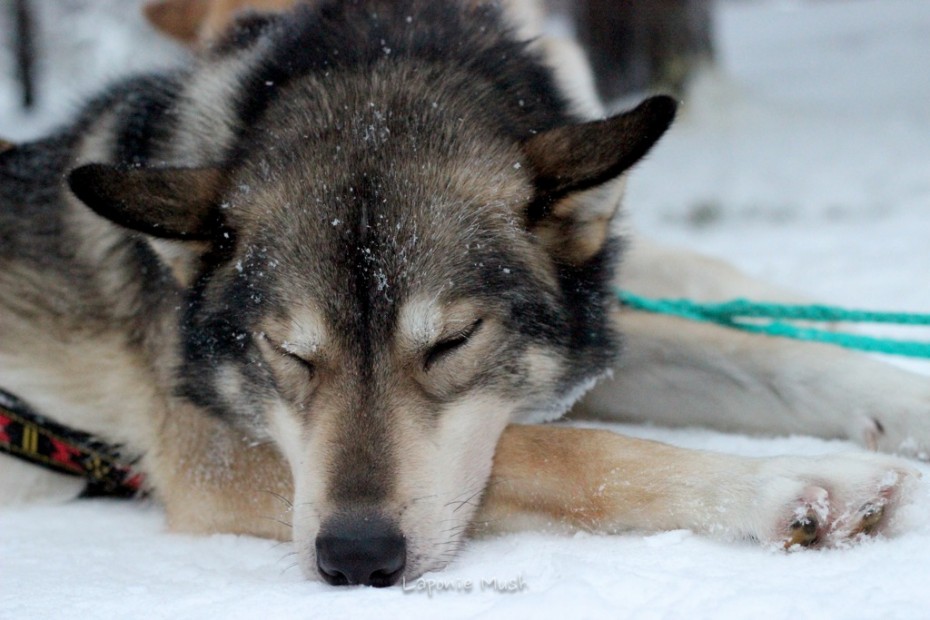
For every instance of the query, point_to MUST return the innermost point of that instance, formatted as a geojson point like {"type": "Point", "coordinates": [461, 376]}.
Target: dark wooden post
{"type": "Point", "coordinates": [637, 45]}
{"type": "Point", "coordinates": [25, 51]}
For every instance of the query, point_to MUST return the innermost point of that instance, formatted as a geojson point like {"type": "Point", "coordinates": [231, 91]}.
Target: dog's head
{"type": "Point", "coordinates": [384, 278]}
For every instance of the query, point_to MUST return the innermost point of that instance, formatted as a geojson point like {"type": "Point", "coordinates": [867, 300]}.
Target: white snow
{"type": "Point", "coordinates": [806, 160]}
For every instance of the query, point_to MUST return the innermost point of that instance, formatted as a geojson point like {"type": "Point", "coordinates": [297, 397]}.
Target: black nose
{"type": "Point", "coordinates": [356, 549]}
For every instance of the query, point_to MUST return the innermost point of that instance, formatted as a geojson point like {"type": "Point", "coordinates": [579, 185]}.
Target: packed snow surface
{"type": "Point", "coordinates": [805, 159]}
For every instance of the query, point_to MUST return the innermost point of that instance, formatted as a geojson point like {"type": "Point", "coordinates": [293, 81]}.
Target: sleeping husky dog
{"type": "Point", "coordinates": [327, 281]}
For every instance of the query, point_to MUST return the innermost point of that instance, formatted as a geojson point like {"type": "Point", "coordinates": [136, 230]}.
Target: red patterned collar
{"type": "Point", "coordinates": [40, 441]}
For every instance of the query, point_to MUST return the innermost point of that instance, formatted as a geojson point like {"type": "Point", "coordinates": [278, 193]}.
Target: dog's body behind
{"type": "Point", "coordinates": [367, 237]}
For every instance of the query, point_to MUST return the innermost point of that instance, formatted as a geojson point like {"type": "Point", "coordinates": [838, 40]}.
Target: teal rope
{"type": "Point", "coordinates": [745, 315]}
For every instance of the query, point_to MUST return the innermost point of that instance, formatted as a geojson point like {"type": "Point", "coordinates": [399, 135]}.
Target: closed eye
{"type": "Point", "coordinates": [445, 347]}
{"type": "Point", "coordinates": [306, 364]}
{"type": "Point", "coordinates": [283, 351]}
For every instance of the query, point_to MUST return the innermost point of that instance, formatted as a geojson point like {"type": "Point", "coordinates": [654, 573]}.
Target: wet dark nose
{"type": "Point", "coordinates": [363, 550]}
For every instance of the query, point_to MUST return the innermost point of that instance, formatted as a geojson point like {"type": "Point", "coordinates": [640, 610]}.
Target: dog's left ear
{"type": "Point", "coordinates": [577, 173]}
{"type": "Point", "coordinates": [168, 203]}
{"type": "Point", "coordinates": [178, 208]}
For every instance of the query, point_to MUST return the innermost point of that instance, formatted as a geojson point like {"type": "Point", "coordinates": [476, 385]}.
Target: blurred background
{"type": "Point", "coordinates": [802, 152]}
{"type": "Point", "coordinates": [55, 50]}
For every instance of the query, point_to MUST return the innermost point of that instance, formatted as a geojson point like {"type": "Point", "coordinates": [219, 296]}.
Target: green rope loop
{"type": "Point", "coordinates": [750, 316]}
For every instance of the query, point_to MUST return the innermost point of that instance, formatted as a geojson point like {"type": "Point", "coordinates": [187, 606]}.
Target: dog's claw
{"type": "Point", "coordinates": [833, 501]}
{"type": "Point", "coordinates": [870, 516]}
{"type": "Point", "coordinates": [813, 527]}
{"type": "Point", "coordinates": [803, 531]}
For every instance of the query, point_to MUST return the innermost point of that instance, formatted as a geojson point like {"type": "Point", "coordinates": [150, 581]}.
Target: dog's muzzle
{"type": "Point", "coordinates": [361, 549]}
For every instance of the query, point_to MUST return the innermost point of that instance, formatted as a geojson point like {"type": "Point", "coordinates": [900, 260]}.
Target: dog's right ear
{"type": "Point", "coordinates": [168, 203]}
{"type": "Point", "coordinates": [578, 170]}
{"type": "Point", "coordinates": [574, 158]}
{"type": "Point", "coordinates": [5, 146]}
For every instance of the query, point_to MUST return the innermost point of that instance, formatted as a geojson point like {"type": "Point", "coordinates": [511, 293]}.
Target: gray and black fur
{"type": "Point", "coordinates": [349, 158]}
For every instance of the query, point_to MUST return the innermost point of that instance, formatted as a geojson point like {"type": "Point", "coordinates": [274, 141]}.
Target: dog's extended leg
{"type": "Point", "coordinates": [213, 480]}
{"type": "Point", "coordinates": [679, 372]}
{"type": "Point", "coordinates": [604, 482]}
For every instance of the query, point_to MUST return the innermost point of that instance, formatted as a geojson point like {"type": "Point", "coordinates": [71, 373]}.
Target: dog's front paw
{"type": "Point", "coordinates": [829, 501]}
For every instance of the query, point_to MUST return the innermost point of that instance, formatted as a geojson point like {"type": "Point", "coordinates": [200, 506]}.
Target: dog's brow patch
{"type": "Point", "coordinates": [420, 321]}
{"type": "Point", "coordinates": [306, 334]}
{"type": "Point", "coordinates": [424, 321]}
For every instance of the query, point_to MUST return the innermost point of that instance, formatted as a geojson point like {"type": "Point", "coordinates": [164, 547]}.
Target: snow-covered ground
{"type": "Point", "coordinates": [807, 162]}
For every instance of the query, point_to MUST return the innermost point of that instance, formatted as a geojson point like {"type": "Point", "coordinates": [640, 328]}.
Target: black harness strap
{"type": "Point", "coordinates": [35, 439]}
